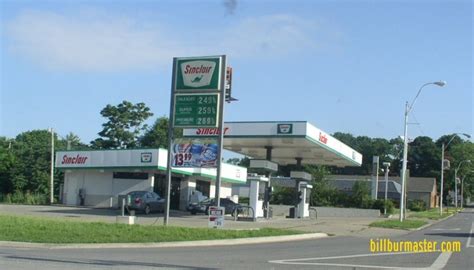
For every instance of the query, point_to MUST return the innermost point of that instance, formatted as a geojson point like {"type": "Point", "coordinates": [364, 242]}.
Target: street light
{"type": "Point", "coordinates": [456, 181]}
{"type": "Point", "coordinates": [387, 165]}
{"type": "Point", "coordinates": [443, 146]}
{"type": "Point", "coordinates": [405, 144]}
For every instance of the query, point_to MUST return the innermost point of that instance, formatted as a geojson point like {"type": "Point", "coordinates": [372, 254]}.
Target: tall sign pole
{"type": "Point", "coordinates": [197, 100]}
{"type": "Point", "coordinates": [170, 145]}
{"type": "Point", "coordinates": [220, 141]}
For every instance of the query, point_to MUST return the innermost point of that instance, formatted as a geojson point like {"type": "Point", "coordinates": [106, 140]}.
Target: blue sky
{"type": "Point", "coordinates": [345, 66]}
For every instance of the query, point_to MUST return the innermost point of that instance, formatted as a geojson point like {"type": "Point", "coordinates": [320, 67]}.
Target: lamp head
{"type": "Point", "coordinates": [467, 135]}
{"type": "Point", "coordinates": [440, 83]}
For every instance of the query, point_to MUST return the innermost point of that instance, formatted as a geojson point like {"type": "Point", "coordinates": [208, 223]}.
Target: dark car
{"type": "Point", "coordinates": [203, 206]}
{"type": "Point", "coordinates": [145, 201]}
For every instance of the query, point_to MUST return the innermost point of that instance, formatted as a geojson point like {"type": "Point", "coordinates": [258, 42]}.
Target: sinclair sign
{"type": "Point", "coordinates": [201, 74]}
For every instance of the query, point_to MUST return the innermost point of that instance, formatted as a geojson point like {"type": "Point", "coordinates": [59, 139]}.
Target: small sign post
{"type": "Point", "coordinates": [216, 217]}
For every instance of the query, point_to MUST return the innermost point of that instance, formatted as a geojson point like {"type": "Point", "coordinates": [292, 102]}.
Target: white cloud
{"type": "Point", "coordinates": [94, 42]}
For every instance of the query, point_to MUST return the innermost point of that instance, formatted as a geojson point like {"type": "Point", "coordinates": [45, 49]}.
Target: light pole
{"type": "Point", "coordinates": [443, 147]}
{"type": "Point", "coordinates": [387, 165]}
{"type": "Point", "coordinates": [456, 181]}
{"type": "Point", "coordinates": [405, 144]}
{"type": "Point", "coordinates": [462, 188]}
{"type": "Point", "coordinates": [51, 182]}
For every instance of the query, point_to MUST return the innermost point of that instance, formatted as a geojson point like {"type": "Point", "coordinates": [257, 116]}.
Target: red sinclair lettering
{"type": "Point", "coordinates": [197, 70]}
{"type": "Point", "coordinates": [323, 138]}
{"type": "Point", "coordinates": [210, 131]}
{"type": "Point", "coordinates": [74, 160]}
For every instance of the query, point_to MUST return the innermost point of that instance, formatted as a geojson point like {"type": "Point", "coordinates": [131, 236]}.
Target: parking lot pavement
{"type": "Point", "coordinates": [355, 226]}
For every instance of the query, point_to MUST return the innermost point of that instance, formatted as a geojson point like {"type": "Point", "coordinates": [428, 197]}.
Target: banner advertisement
{"type": "Point", "coordinates": [195, 153]}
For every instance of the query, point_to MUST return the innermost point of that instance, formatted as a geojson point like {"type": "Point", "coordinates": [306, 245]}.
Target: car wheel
{"type": "Point", "coordinates": [147, 209]}
{"type": "Point", "coordinates": [193, 212]}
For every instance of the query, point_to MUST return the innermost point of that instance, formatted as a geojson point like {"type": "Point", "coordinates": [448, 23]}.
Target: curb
{"type": "Point", "coordinates": [436, 221]}
{"type": "Point", "coordinates": [200, 243]}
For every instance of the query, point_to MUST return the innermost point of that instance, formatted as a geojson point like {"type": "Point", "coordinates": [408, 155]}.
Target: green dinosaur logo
{"type": "Point", "coordinates": [197, 79]}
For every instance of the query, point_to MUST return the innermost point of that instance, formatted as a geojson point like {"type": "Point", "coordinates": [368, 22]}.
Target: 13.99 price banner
{"type": "Point", "coordinates": [195, 153]}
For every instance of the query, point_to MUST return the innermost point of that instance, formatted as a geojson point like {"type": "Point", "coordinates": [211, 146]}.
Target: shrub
{"type": "Point", "coordinates": [244, 200]}
{"type": "Point", "coordinates": [416, 205]}
{"type": "Point", "coordinates": [380, 204]}
{"type": "Point", "coordinates": [19, 197]}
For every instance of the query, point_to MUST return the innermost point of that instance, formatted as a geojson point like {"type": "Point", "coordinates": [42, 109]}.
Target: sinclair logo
{"type": "Point", "coordinates": [285, 129]}
{"type": "Point", "coordinates": [200, 74]}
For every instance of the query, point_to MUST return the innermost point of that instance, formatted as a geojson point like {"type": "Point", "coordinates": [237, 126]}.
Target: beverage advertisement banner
{"type": "Point", "coordinates": [195, 153]}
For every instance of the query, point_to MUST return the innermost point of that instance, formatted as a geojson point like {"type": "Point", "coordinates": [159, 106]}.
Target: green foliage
{"type": "Point", "coordinates": [416, 205]}
{"type": "Point", "coordinates": [361, 194]}
{"type": "Point", "coordinates": [424, 158]}
{"type": "Point", "coordinates": [381, 204]}
{"type": "Point", "coordinates": [124, 125]}
{"type": "Point", "coordinates": [430, 214]}
{"type": "Point", "coordinates": [27, 229]}
{"type": "Point", "coordinates": [157, 135]}
{"type": "Point", "coordinates": [283, 195]}
{"type": "Point", "coordinates": [19, 197]}
{"type": "Point", "coordinates": [244, 200]}
{"type": "Point", "coordinates": [322, 194]}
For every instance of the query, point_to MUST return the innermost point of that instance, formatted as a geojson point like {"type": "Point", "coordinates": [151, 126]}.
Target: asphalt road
{"type": "Point", "coordinates": [345, 252]}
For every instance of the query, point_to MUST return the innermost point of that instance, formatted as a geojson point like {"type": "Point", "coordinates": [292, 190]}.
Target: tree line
{"type": "Point", "coordinates": [25, 159]}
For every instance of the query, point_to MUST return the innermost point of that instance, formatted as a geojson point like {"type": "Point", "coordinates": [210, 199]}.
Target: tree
{"type": "Point", "coordinates": [424, 158]}
{"type": "Point", "coordinates": [124, 126]}
{"type": "Point", "coordinates": [157, 135]}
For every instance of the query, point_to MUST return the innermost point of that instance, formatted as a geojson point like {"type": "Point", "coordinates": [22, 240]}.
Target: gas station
{"type": "Point", "coordinates": [273, 143]}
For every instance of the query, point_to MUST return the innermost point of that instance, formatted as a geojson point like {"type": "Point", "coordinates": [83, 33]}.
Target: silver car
{"type": "Point", "coordinates": [145, 201]}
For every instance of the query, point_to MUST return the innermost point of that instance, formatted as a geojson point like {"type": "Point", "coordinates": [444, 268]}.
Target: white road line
{"type": "Point", "coordinates": [441, 229]}
{"type": "Point", "coordinates": [441, 261]}
{"type": "Point", "coordinates": [468, 244]}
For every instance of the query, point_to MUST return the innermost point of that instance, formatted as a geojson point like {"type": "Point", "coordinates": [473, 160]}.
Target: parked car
{"type": "Point", "coordinates": [203, 206]}
{"type": "Point", "coordinates": [145, 201]}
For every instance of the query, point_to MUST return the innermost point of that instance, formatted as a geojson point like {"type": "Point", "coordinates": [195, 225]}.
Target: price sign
{"type": "Point", "coordinates": [196, 110]}
{"type": "Point", "coordinates": [216, 217]}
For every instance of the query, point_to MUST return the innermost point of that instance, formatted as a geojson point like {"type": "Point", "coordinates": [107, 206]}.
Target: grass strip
{"type": "Point", "coordinates": [407, 224]}
{"type": "Point", "coordinates": [41, 230]}
{"type": "Point", "coordinates": [431, 214]}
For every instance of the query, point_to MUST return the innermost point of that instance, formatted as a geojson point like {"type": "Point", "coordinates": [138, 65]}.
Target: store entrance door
{"type": "Point", "coordinates": [160, 189]}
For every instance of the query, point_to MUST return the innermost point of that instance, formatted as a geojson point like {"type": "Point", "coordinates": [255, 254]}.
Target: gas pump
{"type": "Point", "coordinates": [304, 194]}
{"type": "Point", "coordinates": [303, 191]}
{"type": "Point", "coordinates": [257, 194]}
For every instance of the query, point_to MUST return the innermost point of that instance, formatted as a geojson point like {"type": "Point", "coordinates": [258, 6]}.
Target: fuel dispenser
{"type": "Point", "coordinates": [257, 194]}
{"type": "Point", "coordinates": [304, 195]}
{"type": "Point", "coordinates": [303, 192]}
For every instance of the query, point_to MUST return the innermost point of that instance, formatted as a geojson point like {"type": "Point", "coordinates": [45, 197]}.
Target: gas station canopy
{"type": "Point", "coordinates": [287, 140]}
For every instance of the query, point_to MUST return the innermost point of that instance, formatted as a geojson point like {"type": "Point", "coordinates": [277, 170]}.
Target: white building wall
{"type": "Point", "coordinates": [101, 189]}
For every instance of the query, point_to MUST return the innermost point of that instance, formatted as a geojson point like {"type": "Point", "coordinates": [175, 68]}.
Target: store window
{"type": "Point", "coordinates": [130, 175]}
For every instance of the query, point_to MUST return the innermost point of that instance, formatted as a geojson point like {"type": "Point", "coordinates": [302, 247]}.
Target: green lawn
{"type": "Point", "coordinates": [431, 214]}
{"type": "Point", "coordinates": [40, 230]}
{"type": "Point", "coordinates": [396, 224]}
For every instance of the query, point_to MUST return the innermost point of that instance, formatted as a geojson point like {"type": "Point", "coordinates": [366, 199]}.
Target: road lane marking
{"type": "Point", "coordinates": [439, 263]}
{"type": "Point", "coordinates": [441, 229]}
{"type": "Point", "coordinates": [468, 244]}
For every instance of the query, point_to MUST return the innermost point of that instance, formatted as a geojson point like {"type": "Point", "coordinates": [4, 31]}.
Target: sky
{"type": "Point", "coordinates": [344, 66]}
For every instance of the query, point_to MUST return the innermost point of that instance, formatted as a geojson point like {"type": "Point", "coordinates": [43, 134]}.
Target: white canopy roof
{"type": "Point", "coordinates": [289, 140]}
